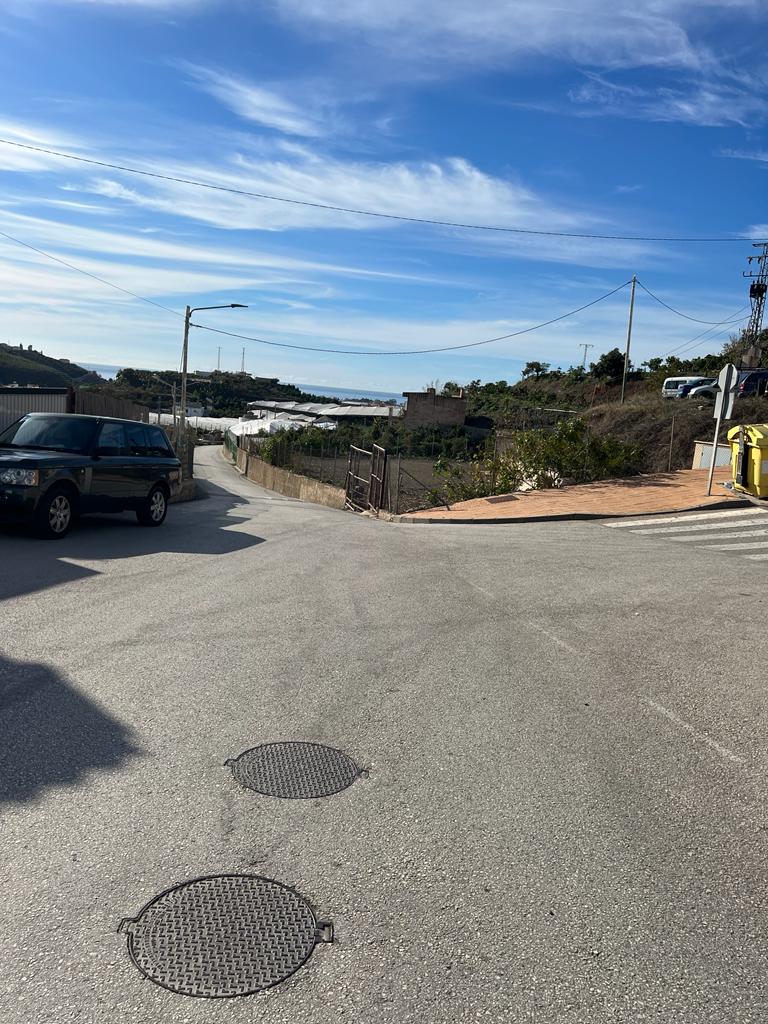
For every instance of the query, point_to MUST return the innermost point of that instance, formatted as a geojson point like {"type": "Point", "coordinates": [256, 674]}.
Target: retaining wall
{"type": "Point", "coordinates": [292, 485]}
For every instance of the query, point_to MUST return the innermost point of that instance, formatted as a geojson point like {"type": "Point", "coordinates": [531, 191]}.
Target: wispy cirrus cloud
{"type": "Point", "coordinates": [260, 104]}
{"type": "Point", "coordinates": [598, 33]}
{"type": "Point", "coordinates": [32, 134]}
{"type": "Point", "coordinates": [757, 155]}
{"type": "Point", "coordinates": [426, 189]}
{"type": "Point", "coordinates": [708, 103]}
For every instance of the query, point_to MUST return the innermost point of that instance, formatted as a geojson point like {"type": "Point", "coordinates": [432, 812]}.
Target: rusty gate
{"type": "Point", "coordinates": [366, 479]}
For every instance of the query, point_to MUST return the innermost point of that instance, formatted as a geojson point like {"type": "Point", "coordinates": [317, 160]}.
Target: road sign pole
{"type": "Point", "coordinates": [727, 383]}
{"type": "Point", "coordinates": [718, 422]}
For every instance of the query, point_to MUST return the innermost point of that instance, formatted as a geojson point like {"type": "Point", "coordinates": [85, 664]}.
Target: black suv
{"type": "Point", "coordinates": [53, 467]}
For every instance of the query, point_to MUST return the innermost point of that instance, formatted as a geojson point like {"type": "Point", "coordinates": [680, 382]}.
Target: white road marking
{"type": "Point", "coordinates": [736, 513]}
{"type": "Point", "coordinates": [757, 558]}
{"type": "Point", "coordinates": [736, 547]}
{"type": "Point", "coordinates": [756, 532]}
{"type": "Point", "coordinates": [724, 752]}
{"type": "Point", "coordinates": [695, 527]}
{"type": "Point", "coordinates": [555, 639]}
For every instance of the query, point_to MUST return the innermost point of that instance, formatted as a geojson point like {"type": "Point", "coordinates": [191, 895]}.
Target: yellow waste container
{"type": "Point", "coordinates": [749, 458]}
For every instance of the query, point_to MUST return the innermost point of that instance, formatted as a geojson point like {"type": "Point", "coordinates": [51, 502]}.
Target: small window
{"type": "Point", "coordinates": [112, 440]}
{"type": "Point", "coordinates": [158, 443]}
{"type": "Point", "coordinates": [137, 439]}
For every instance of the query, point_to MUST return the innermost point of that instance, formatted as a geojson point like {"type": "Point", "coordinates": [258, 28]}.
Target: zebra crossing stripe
{"type": "Point", "coordinates": [692, 528]}
{"type": "Point", "coordinates": [699, 537]}
{"type": "Point", "coordinates": [699, 516]}
{"type": "Point", "coordinates": [736, 547]}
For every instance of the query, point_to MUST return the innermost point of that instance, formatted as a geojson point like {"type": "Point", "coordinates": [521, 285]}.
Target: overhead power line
{"type": "Point", "coordinates": [416, 351]}
{"type": "Point", "coordinates": [363, 213]}
{"type": "Point", "coordinates": [714, 323]}
{"type": "Point", "coordinates": [101, 280]}
{"type": "Point", "coordinates": [346, 351]}
{"type": "Point", "coordinates": [692, 341]}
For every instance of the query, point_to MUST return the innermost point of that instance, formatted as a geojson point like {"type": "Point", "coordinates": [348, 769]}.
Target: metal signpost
{"type": "Point", "coordinates": [727, 382]}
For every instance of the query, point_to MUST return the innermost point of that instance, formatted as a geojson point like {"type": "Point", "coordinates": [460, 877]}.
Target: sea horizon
{"type": "Point", "coordinates": [109, 371]}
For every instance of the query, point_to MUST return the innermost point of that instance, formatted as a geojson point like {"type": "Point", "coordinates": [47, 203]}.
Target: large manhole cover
{"type": "Point", "coordinates": [295, 771]}
{"type": "Point", "coordinates": [225, 935]}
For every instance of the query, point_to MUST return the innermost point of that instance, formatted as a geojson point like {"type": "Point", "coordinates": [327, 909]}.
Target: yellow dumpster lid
{"type": "Point", "coordinates": [754, 433]}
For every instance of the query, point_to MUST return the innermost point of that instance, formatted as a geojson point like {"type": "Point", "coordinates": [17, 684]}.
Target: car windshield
{"type": "Point", "coordinates": [51, 433]}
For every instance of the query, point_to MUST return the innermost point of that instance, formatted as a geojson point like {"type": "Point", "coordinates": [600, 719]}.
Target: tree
{"type": "Point", "coordinates": [609, 366]}
{"type": "Point", "coordinates": [734, 349]}
{"type": "Point", "coordinates": [535, 369]}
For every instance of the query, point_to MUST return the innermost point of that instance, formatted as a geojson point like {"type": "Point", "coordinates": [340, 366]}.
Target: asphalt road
{"type": "Point", "coordinates": [564, 725]}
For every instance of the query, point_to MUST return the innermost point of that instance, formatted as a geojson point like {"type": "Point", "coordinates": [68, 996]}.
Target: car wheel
{"type": "Point", "coordinates": [154, 509]}
{"type": "Point", "coordinates": [55, 513]}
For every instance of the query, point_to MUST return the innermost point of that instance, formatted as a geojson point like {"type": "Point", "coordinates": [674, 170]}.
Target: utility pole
{"type": "Point", "coordinates": [757, 292]}
{"type": "Point", "coordinates": [629, 338]}
{"type": "Point", "coordinates": [182, 435]}
{"type": "Point", "coordinates": [218, 358]}
{"type": "Point", "coordinates": [585, 346]}
{"type": "Point", "coordinates": [242, 361]}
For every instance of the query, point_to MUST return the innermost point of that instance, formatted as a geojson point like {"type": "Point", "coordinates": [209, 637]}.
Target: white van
{"type": "Point", "coordinates": [672, 386]}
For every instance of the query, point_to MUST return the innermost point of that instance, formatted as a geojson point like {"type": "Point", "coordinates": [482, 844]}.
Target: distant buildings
{"type": "Point", "coordinates": [422, 408]}
{"type": "Point", "coordinates": [314, 411]}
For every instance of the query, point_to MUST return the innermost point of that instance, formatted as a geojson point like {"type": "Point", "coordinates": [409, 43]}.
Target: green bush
{"type": "Point", "coordinates": [540, 459]}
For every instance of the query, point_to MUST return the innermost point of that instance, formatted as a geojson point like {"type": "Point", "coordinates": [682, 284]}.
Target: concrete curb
{"type": "Point", "coordinates": [573, 516]}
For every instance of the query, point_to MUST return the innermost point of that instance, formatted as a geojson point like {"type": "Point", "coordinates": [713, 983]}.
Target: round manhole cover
{"type": "Point", "coordinates": [226, 935]}
{"type": "Point", "coordinates": [295, 771]}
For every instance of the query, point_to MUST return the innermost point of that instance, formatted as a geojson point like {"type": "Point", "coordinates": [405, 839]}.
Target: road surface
{"type": "Point", "coordinates": [564, 729]}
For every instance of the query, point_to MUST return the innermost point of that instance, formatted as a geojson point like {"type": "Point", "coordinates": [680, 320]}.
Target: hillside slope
{"type": "Point", "coordinates": [26, 366]}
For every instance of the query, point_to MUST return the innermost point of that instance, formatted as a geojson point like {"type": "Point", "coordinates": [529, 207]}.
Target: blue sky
{"type": "Point", "coordinates": [607, 117]}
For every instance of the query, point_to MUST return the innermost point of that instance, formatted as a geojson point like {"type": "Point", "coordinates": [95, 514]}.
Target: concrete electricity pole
{"type": "Point", "coordinates": [182, 437]}
{"type": "Point", "coordinates": [242, 361]}
{"type": "Point", "coordinates": [629, 338]}
{"type": "Point", "coordinates": [218, 358]}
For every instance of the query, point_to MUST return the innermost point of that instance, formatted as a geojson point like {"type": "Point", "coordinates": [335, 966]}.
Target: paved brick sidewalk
{"type": "Point", "coordinates": [641, 495]}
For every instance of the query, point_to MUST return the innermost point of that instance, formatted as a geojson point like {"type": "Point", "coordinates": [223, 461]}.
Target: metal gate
{"type": "Point", "coordinates": [366, 479]}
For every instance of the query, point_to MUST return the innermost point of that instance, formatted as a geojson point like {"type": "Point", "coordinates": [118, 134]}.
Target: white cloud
{"type": "Point", "coordinates": [47, 233]}
{"type": "Point", "coordinates": [255, 102]}
{"type": "Point", "coordinates": [448, 190]}
{"type": "Point", "coordinates": [12, 159]}
{"type": "Point", "coordinates": [760, 156]}
{"type": "Point", "coordinates": [706, 103]}
{"type": "Point", "coordinates": [600, 33]}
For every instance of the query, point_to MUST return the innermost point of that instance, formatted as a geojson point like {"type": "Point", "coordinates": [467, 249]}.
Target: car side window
{"type": "Point", "coordinates": [137, 439]}
{"type": "Point", "coordinates": [158, 443]}
{"type": "Point", "coordinates": [112, 440]}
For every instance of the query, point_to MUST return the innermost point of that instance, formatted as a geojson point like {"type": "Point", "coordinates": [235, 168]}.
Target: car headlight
{"type": "Point", "coordinates": [20, 477]}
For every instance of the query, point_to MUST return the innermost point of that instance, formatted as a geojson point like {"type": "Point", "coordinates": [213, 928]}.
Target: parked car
{"type": "Point", "coordinates": [55, 466]}
{"type": "Point", "coordinates": [672, 386]}
{"type": "Point", "coordinates": [752, 382]}
{"type": "Point", "coordinates": [700, 388]}
{"type": "Point", "coordinates": [708, 390]}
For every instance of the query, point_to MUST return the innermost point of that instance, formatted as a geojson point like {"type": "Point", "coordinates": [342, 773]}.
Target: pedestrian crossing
{"type": "Point", "coordinates": [742, 532]}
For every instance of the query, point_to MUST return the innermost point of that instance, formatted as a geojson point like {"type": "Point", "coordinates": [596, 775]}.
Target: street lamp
{"type": "Point", "coordinates": [184, 352]}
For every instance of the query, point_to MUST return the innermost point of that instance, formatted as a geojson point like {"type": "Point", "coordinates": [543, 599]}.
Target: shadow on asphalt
{"type": "Point", "coordinates": [29, 564]}
{"type": "Point", "coordinates": [51, 735]}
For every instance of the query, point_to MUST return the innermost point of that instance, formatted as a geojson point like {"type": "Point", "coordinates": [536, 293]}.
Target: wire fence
{"type": "Point", "coordinates": [410, 483]}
